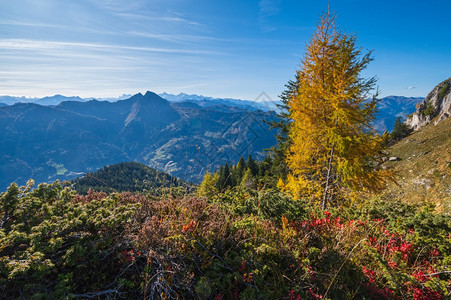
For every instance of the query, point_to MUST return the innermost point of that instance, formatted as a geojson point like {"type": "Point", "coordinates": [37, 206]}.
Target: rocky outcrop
{"type": "Point", "coordinates": [434, 108]}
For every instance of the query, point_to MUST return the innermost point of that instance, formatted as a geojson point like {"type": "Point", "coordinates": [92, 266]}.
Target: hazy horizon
{"type": "Point", "coordinates": [235, 49]}
{"type": "Point", "coordinates": [178, 94]}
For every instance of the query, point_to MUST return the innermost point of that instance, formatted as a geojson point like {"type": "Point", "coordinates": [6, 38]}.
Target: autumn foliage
{"type": "Point", "coordinates": [240, 245]}
{"type": "Point", "coordinates": [333, 146]}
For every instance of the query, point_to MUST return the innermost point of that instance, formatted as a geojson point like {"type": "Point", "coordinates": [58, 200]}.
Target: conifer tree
{"type": "Point", "coordinates": [278, 152]}
{"type": "Point", "coordinates": [239, 170]}
{"type": "Point", "coordinates": [252, 165]}
{"type": "Point", "coordinates": [264, 166]}
{"type": "Point", "coordinates": [333, 145]}
{"type": "Point", "coordinates": [207, 187]}
{"type": "Point", "coordinates": [221, 179]}
{"type": "Point", "coordinates": [225, 177]}
{"type": "Point", "coordinates": [248, 181]}
{"type": "Point", "coordinates": [400, 130]}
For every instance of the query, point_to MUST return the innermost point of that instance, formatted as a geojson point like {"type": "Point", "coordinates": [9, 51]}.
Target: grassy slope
{"type": "Point", "coordinates": [424, 171]}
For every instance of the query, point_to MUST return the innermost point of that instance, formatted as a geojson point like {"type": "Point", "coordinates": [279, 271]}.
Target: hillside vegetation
{"type": "Point", "coordinates": [424, 167]}
{"type": "Point", "coordinates": [126, 177]}
{"type": "Point", "coordinates": [241, 244]}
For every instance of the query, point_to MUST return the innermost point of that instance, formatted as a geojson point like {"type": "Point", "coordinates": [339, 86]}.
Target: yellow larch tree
{"type": "Point", "coordinates": [333, 144]}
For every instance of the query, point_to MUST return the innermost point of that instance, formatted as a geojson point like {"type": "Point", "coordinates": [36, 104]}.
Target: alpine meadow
{"type": "Point", "coordinates": [330, 192]}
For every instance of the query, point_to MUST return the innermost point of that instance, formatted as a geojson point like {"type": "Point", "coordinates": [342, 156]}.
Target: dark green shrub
{"type": "Point", "coordinates": [243, 244]}
{"type": "Point", "coordinates": [443, 91]}
{"type": "Point", "coordinates": [429, 109]}
{"type": "Point", "coordinates": [55, 244]}
{"type": "Point", "coordinates": [400, 130]}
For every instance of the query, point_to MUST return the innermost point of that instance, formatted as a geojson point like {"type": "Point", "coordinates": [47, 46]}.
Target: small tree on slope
{"type": "Point", "coordinates": [333, 144]}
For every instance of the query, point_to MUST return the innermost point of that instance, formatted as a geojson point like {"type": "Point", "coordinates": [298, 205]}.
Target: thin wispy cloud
{"type": "Point", "coordinates": [67, 28]}
{"type": "Point", "coordinates": [176, 38]}
{"type": "Point", "coordinates": [23, 44]}
{"type": "Point", "coordinates": [180, 20]}
{"type": "Point", "coordinates": [190, 38]}
{"type": "Point", "coordinates": [119, 5]}
{"type": "Point", "coordinates": [32, 24]}
{"type": "Point", "coordinates": [268, 8]}
{"type": "Point", "coordinates": [170, 19]}
{"type": "Point", "coordinates": [218, 48]}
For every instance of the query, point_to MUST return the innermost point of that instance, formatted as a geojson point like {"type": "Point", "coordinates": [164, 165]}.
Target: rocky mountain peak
{"type": "Point", "coordinates": [435, 107]}
{"type": "Point", "coordinates": [150, 109]}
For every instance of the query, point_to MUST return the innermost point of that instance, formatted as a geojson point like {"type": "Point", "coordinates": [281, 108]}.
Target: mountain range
{"type": "Point", "coordinates": [69, 136]}
{"type": "Point", "coordinates": [390, 107]}
{"type": "Point", "coordinates": [182, 138]}
{"type": "Point", "coordinates": [264, 102]}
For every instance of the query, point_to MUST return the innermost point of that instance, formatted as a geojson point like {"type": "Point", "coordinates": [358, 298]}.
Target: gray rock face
{"type": "Point", "coordinates": [435, 107]}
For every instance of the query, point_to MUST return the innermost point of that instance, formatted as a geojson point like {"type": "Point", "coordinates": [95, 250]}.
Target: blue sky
{"type": "Point", "coordinates": [106, 48]}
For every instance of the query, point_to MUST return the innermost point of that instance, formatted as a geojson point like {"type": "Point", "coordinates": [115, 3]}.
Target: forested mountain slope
{"type": "Point", "coordinates": [126, 177]}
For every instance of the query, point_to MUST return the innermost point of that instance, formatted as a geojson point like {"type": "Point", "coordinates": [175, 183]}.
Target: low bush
{"type": "Point", "coordinates": [242, 244]}
{"type": "Point", "coordinates": [443, 91]}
